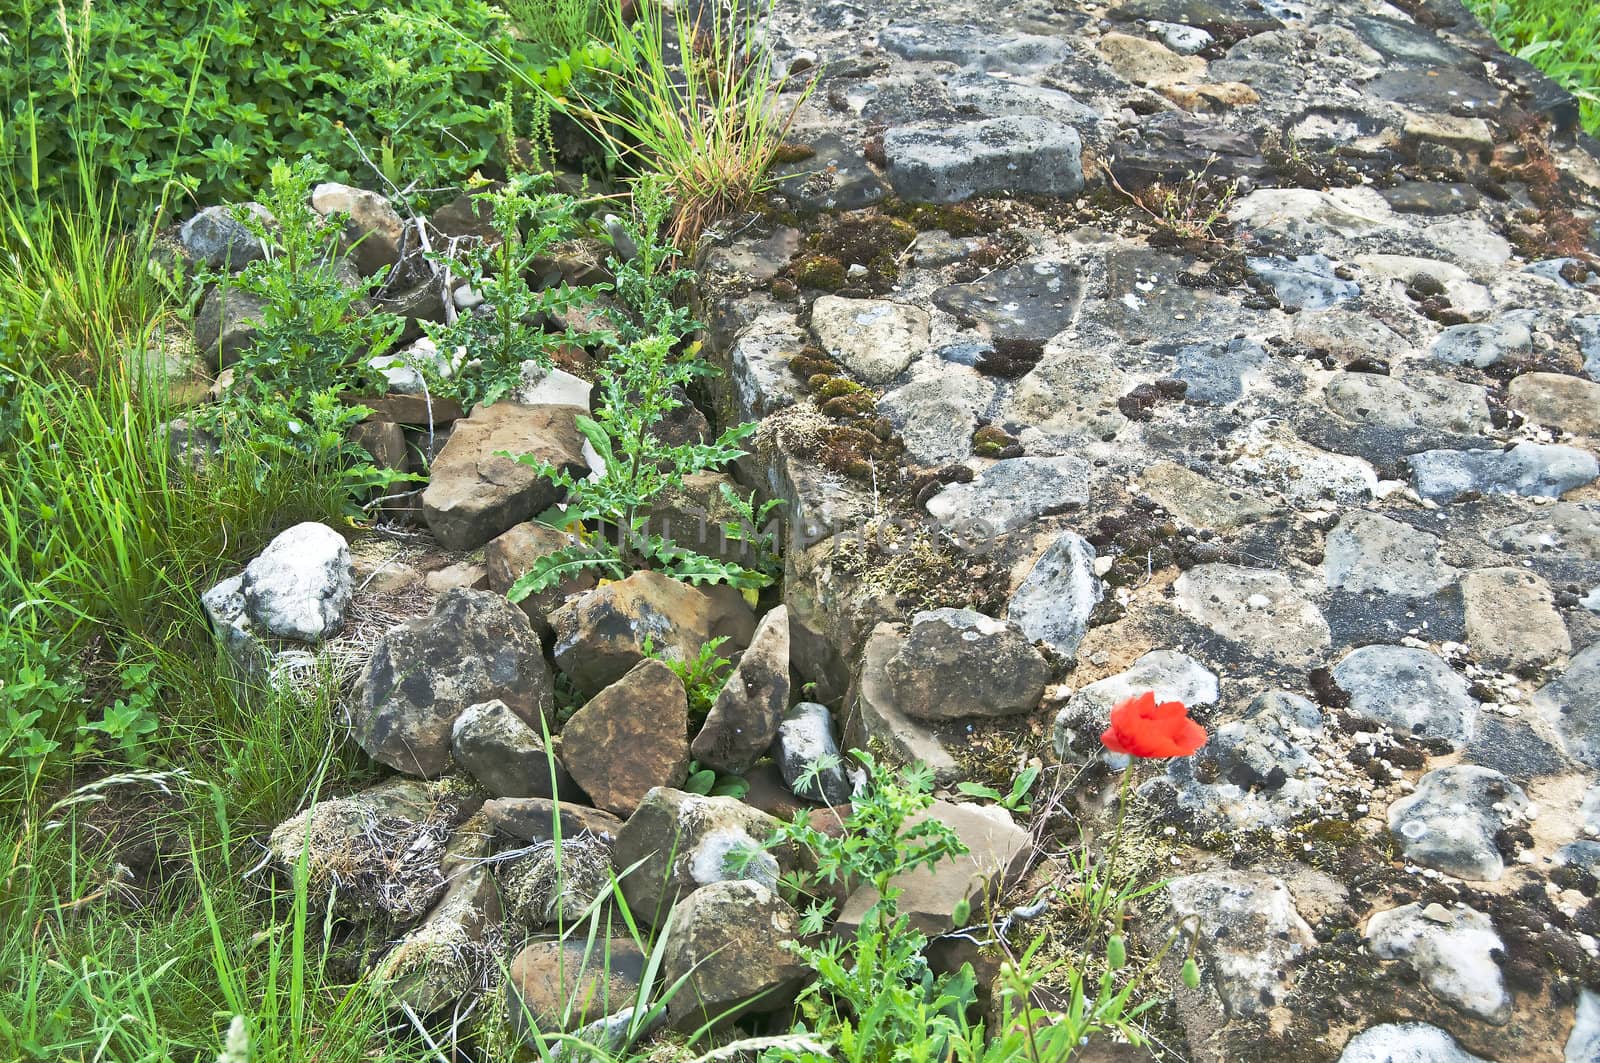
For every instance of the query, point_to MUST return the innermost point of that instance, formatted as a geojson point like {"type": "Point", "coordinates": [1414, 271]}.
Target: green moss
{"type": "Point", "coordinates": [991, 442]}
{"type": "Point", "coordinates": [953, 219]}
{"type": "Point", "coordinates": [851, 406]}
{"type": "Point", "coordinates": [833, 387]}
{"type": "Point", "coordinates": [821, 272]}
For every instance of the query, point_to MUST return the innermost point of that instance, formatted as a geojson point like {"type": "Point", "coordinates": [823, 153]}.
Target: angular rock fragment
{"type": "Point", "coordinates": [556, 986]}
{"type": "Point", "coordinates": [473, 647]}
{"type": "Point", "coordinates": [1248, 933]}
{"type": "Point", "coordinates": [726, 941]}
{"type": "Point", "coordinates": [682, 841]}
{"type": "Point", "coordinates": [1029, 155]}
{"type": "Point", "coordinates": [805, 739]}
{"type": "Point", "coordinates": [506, 755]}
{"type": "Point", "coordinates": [604, 633]}
{"type": "Point", "coordinates": [1453, 949]}
{"type": "Point", "coordinates": [1547, 470]}
{"type": "Point", "coordinates": [744, 719]}
{"type": "Point", "coordinates": [474, 494]}
{"type": "Point", "coordinates": [997, 852]}
{"type": "Point", "coordinates": [1055, 600]}
{"type": "Point", "coordinates": [955, 663]}
{"type": "Point", "coordinates": [631, 737]}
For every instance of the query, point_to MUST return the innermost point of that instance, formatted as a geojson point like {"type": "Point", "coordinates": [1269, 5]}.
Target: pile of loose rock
{"type": "Point", "coordinates": [1246, 353]}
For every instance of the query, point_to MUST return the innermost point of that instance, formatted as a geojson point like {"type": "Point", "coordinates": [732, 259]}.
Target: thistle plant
{"type": "Point", "coordinates": [508, 328]}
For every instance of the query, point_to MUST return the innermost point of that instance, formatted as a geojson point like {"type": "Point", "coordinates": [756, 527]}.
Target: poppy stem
{"type": "Point", "coordinates": [1116, 837]}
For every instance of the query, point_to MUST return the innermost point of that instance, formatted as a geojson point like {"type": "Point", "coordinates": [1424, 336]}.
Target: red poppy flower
{"type": "Point", "coordinates": [1142, 728]}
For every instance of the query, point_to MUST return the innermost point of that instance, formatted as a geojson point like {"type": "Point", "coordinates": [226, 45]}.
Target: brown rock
{"type": "Point", "coordinates": [558, 986]}
{"type": "Point", "coordinates": [745, 717]}
{"type": "Point", "coordinates": [727, 940]}
{"type": "Point", "coordinates": [956, 663]}
{"type": "Point", "coordinates": [475, 494]}
{"type": "Point", "coordinates": [465, 574]}
{"type": "Point", "coordinates": [629, 738]}
{"type": "Point", "coordinates": [509, 556]}
{"type": "Point", "coordinates": [533, 819]}
{"type": "Point", "coordinates": [474, 647]}
{"type": "Point", "coordinates": [1565, 402]}
{"type": "Point", "coordinates": [385, 441]}
{"type": "Point", "coordinates": [601, 635]}
{"type": "Point", "coordinates": [407, 409]}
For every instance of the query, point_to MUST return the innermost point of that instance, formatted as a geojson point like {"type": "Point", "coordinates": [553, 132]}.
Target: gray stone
{"type": "Point", "coordinates": [548, 386]}
{"type": "Point", "coordinates": [1009, 53]}
{"type": "Point", "coordinates": [1170, 145]}
{"type": "Point", "coordinates": [1511, 618]}
{"type": "Point", "coordinates": [1451, 822]}
{"type": "Point", "coordinates": [1185, 40]}
{"type": "Point", "coordinates": [1170, 675]}
{"type": "Point", "coordinates": [1219, 374]}
{"type": "Point", "coordinates": [1262, 768]}
{"type": "Point", "coordinates": [759, 379]}
{"type": "Point", "coordinates": [217, 240]}
{"type": "Point", "coordinates": [1349, 335]}
{"type": "Point", "coordinates": [1026, 155]}
{"type": "Point", "coordinates": [1199, 501]}
{"type": "Point", "coordinates": [726, 944]}
{"type": "Point", "coordinates": [805, 738]}
{"type": "Point", "coordinates": [1562, 529]}
{"type": "Point", "coordinates": [1453, 949]}
{"type": "Point", "coordinates": [1586, 330]}
{"type": "Point", "coordinates": [1031, 301]}
{"type": "Point", "coordinates": [937, 415]}
{"type": "Point", "coordinates": [998, 852]}
{"type": "Point", "coordinates": [539, 819]}
{"type": "Point", "coordinates": [1371, 552]}
{"type": "Point", "coordinates": [225, 325]}
{"type": "Point", "coordinates": [474, 493]}
{"type": "Point", "coordinates": [873, 338]}
{"type": "Point", "coordinates": [1305, 282]}
{"type": "Point", "coordinates": [1410, 690]}
{"type": "Point", "coordinates": [1545, 470]}
{"type": "Point", "coordinates": [1271, 455]}
{"type": "Point", "coordinates": [300, 585]}
{"type": "Point", "coordinates": [744, 719]}
{"type": "Point", "coordinates": [1055, 599]}
{"type": "Point", "coordinates": [1485, 344]}
{"type": "Point", "coordinates": [1070, 398]}
{"type": "Point", "coordinates": [224, 607]}
{"type": "Point", "coordinates": [955, 663]}
{"type": "Point", "coordinates": [681, 841]}
{"type": "Point", "coordinates": [835, 177]}
{"type": "Point", "coordinates": [473, 647]}
{"type": "Point", "coordinates": [1257, 608]}
{"type": "Point", "coordinates": [1406, 1042]}
{"type": "Point", "coordinates": [1572, 703]}
{"type": "Point", "coordinates": [507, 756]}
{"type": "Point", "coordinates": [1247, 932]}
{"type": "Point", "coordinates": [373, 231]}
{"type": "Point", "coordinates": [1010, 493]}
{"type": "Point", "coordinates": [1583, 1044]}
{"type": "Point", "coordinates": [877, 716]}
{"type": "Point", "coordinates": [1412, 401]}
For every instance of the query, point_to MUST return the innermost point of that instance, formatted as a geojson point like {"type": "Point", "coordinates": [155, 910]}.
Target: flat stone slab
{"type": "Point", "coordinates": [874, 338]}
{"type": "Point", "coordinates": [1453, 820]}
{"type": "Point", "coordinates": [1256, 608]}
{"type": "Point", "coordinates": [1015, 154]}
{"type": "Point", "coordinates": [1031, 301]}
{"type": "Point", "coordinates": [1544, 470]}
{"type": "Point", "coordinates": [1010, 493]}
{"type": "Point", "coordinates": [1371, 552]}
{"type": "Point", "coordinates": [1410, 690]}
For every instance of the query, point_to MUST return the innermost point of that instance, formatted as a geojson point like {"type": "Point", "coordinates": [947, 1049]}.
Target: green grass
{"type": "Point", "coordinates": [1560, 37]}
